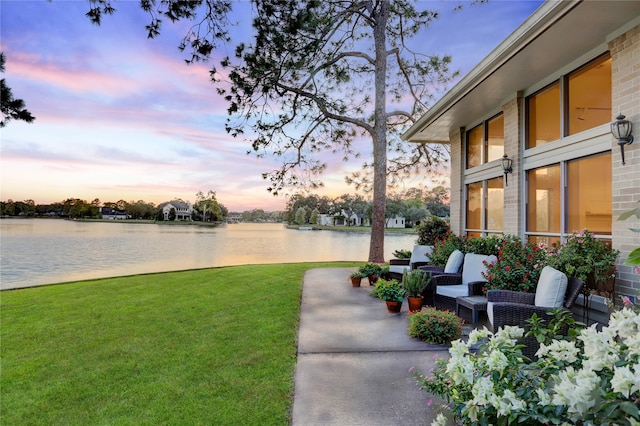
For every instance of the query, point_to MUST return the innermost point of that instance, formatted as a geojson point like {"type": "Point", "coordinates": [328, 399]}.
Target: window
{"type": "Point", "coordinates": [485, 142]}
{"type": "Point", "coordinates": [485, 207]}
{"type": "Point", "coordinates": [589, 90]}
{"type": "Point", "coordinates": [577, 102]}
{"type": "Point", "coordinates": [556, 208]}
{"type": "Point", "coordinates": [543, 115]}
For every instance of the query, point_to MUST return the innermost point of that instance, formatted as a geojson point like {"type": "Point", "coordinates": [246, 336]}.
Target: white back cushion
{"type": "Point", "coordinates": [551, 288]}
{"type": "Point", "coordinates": [473, 267]}
{"type": "Point", "coordinates": [420, 253]}
{"type": "Point", "coordinates": [399, 269]}
{"type": "Point", "coordinates": [454, 262]}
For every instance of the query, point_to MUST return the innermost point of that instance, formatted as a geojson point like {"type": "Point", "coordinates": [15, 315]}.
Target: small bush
{"type": "Point", "coordinates": [435, 327]}
{"type": "Point", "coordinates": [444, 246]}
{"type": "Point", "coordinates": [432, 229]}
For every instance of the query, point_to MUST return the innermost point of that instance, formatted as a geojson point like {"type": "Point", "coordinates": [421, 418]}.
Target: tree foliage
{"type": "Point", "coordinates": [12, 109]}
{"type": "Point", "coordinates": [322, 74]}
{"type": "Point", "coordinates": [319, 76]}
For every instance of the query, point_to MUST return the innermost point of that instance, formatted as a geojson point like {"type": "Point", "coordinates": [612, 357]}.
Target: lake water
{"type": "Point", "coordinates": [45, 251]}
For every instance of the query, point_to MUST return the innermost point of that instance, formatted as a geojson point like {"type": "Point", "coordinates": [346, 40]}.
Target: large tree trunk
{"type": "Point", "coordinates": [376, 246]}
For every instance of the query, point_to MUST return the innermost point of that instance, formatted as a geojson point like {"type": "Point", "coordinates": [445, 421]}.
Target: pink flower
{"type": "Point", "coordinates": [626, 301]}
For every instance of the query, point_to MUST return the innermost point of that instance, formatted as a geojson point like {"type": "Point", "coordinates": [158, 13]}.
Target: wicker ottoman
{"type": "Point", "coordinates": [475, 303]}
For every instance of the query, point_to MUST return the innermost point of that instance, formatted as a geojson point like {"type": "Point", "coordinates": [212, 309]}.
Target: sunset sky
{"type": "Point", "coordinates": [119, 116]}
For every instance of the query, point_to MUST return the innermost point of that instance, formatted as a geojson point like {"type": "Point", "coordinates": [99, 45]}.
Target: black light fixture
{"type": "Point", "coordinates": [621, 130]}
{"type": "Point", "coordinates": [506, 167]}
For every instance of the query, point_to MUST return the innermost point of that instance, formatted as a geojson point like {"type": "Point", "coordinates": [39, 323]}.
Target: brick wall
{"type": "Point", "coordinates": [457, 187]}
{"type": "Point", "coordinates": [513, 190]}
{"type": "Point", "coordinates": [625, 58]}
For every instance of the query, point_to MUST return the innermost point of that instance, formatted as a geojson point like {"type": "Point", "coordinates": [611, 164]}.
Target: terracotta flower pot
{"type": "Point", "coordinates": [355, 281]}
{"type": "Point", "coordinates": [415, 303]}
{"type": "Point", "coordinates": [372, 279]}
{"type": "Point", "coordinates": [393, 307]}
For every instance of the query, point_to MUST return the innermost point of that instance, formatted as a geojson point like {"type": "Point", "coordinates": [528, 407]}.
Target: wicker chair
{"type": "Point", "coordinates": [419, 256]}
{"type": "Point", "coordinates": [452, 269]}
{"type": "Point", "coordinates": [469, 282]}
{"type": "Point", "coordinates": [515, 308]}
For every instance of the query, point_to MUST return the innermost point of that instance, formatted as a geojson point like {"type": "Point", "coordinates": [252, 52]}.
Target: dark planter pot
{"type": "Point", "coordinates": [373, 279]}
{"type": "Point", "coordinates": [415, 303]}
{"type": "Point", "coordinates": [355, 281]}
{"type": "Point", "coordinates": [602, 288]}
{"type": "Point", "coordinates": [393, 307]}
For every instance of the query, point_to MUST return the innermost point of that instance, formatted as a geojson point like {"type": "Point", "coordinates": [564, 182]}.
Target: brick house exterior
{"type": "Point", "coordinates": [549, 54]}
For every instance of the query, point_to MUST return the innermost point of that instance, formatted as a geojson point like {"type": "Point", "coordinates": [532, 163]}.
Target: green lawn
{"type": "Point", "coordinates": [214, 346]}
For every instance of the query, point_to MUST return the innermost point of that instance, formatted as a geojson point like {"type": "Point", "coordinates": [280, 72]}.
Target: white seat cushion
{"type": "Point", "coordinates": [454, 262]}
{"type": "Point", "coordinates": [474, 267]}
{"type": "Point", "coordinates": [420, 253]}
{"type": "Point", "coordinates": [400, 269]}
{"type": "Point", "coordinates": [452, 291]}
{"type": "Point", "coordinates": [551, 288]}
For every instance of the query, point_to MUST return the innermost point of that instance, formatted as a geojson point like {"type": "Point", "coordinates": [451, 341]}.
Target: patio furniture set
{"type": "Point", "coordinates": [459, 285]}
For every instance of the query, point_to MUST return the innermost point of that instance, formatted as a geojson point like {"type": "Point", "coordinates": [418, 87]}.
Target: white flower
{"type": "Point", "coordinates": [460, 369]}
{"type": "Point", "coordinates": [510, 402]}
{"type": "Point", "coordinates": [543, 397]}
{"type": "Point", "coordinates": [482, 391]}
{"type": "Point", "coordinates": [575, 390]}
{"type": "Point", "coordinates": [497, 360]}
{"type": "Point", "coordinates": [478, 335]}
{"type": "Point", "coordinates": [625, 322]}
{"type": "Point", "coordinates": [508, 335]}
{"type": "Point", "coordinates": [559, 350]}
{"type": "Point", "coordinates": [634, 344]}
{"type": "Point", "coordinates": [458, 348]}
{"type": "Point", "coordinates": [625, 381]}
{"type": "Point", "coordinates": [440, 420]}
{"type": "Point", "coordinates": [600, 349]}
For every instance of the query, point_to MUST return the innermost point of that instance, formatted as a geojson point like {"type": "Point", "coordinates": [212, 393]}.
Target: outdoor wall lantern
{"type": "Point", "coordinates": [621, 130]}
{"type": "Point", "coordinates": [506, 167]}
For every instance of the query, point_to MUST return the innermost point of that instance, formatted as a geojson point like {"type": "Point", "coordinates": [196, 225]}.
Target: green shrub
{"type": "Point", "coordinates": [432, 229]}
{"type": "Point", "coordinates": [489, 245]}
{"type": "Point", "coordinates": [390, 290]}
{"type": "Point", "coordinates": [435, 327]}
{"type": "Point", "coordinates": [402, 254]}
{"type": "Point", "coordinates": [444, 246]}
{"type": "Point", "coordinates": [369, 269]}
{"type": "Point", "coordinates": [518, 267]}
{"type": "Point", "coordinates": [415, 281]}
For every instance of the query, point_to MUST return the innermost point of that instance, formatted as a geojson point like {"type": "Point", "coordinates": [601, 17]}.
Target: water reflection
{"type": "Point", "coordinates": [42, 251]}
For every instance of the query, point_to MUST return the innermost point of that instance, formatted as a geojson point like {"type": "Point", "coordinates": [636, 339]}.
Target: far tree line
{"type": "Point", "coordinates": [414, 205]}
{"type": "Point", "coordinates": [206, 208]}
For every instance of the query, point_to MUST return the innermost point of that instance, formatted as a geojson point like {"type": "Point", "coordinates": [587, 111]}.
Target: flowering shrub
{"type": "Point", "coordinates": [444, 246]}
{"type": "Point", "coordinates": [590, 377]}
{"type": "Point", "coordinates": [433, 326]}
{"type": "Point", "coordinates": [431, 229]}
{"type": "Point", "coordinates": [581, 255]}
{"type": "Point", "coordinates": [518, 267]}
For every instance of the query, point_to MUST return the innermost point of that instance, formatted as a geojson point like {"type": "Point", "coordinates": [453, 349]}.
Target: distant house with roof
{"type": "Point", "coordinates": [395, 221]}
{"type": "Point", "coordinates": [112, 214]}
{"type": "Point", "coordinates": [181, 209]}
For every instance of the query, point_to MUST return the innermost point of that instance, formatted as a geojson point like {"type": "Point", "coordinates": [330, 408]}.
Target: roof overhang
{"type": "Point", "coordinates": [557, 33]}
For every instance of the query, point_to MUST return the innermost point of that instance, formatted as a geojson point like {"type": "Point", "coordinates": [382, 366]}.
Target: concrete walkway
{"type": "Point", "coordinates": [354, 358]}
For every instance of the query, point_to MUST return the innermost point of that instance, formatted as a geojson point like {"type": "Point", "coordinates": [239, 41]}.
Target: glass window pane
{"type": "Point", "coordinates": [590, 96]}
{"type": "Point", "coordinates": [495, 130]}
{"type": "Point", "coordinates": [543, 212]}
{"type": "Point", "coordinates": [474, 147]}
{"type": "Point", "coordinates": [495, 204]}
{"type": "Point", "coordinates": [474, 206]}
{"type": "Point", "coordinates": [589, 192]}
{"type": "Point", "coordinates": [543, 241]}
{"type": "Point", "coordinates": [543, 116]}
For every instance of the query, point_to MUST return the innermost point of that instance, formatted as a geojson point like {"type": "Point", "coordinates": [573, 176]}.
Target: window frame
{"type": "Point", "coordinates": [484, 146]}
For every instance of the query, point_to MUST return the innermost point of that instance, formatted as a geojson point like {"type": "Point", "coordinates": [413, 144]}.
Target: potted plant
{"type": "Point", "coordinates": [401, 257]}
{"type": "Point", "coordinates": [356, 278]}
{"type": "Point", "coordinates": [415, 282]}
{"type": "Point", "coordinates": [392, 293]}
{"type": "Point", "coordinates": [587, 258]}
{"type": "Point", "coordinates": [371, 271]}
